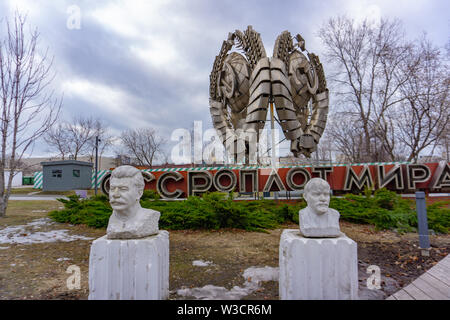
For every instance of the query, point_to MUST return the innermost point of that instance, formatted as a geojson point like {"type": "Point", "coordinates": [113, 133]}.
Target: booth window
{"type": "Point", "coordinates": [57, 173]}
{"type": "Point", "coordinates": [76, 173]}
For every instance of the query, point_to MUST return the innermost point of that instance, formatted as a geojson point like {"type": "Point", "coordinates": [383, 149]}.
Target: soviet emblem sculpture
{"type": "Point", "coordinates": [241, 89]}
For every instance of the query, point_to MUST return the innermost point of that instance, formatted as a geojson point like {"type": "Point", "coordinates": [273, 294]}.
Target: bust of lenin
{"type": "Point", "coordinates": [317, 220]}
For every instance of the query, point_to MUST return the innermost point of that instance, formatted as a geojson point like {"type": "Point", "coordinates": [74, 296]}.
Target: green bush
{"type": "Point", "coordinates": [212, 211]}
{"type": "Point", "coordinates": [384, 209]}
{"type": "Point", "coordinates": [386, 199]}
{"type": "Point", "coordinates": [216, 210]}
{"type": "Point", "coordinates": [150, 195]}
{"type": "Point", "coordinates": [439, 216]}
{"type": "Point", "coordinates": [93, 212]}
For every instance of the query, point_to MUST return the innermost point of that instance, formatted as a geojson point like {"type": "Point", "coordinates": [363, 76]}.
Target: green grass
{"type": "Point", "coordinates": [21, 211]}
{"type": "Point", "coordinates": [384, 209]}
{"type": "Point", "coordinates": [25, 190]}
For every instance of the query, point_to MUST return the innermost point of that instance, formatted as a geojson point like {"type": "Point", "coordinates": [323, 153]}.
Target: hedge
{"type": "Point", "coordinates": [384, 209]}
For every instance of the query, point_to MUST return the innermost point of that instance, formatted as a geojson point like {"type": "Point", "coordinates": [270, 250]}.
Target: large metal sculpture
{"type": "Point", "coordinates": [243, 87]}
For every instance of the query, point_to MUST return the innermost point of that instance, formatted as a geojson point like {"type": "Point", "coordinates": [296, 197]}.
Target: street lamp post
{"type": "Point", "coordinates": [96, 163]}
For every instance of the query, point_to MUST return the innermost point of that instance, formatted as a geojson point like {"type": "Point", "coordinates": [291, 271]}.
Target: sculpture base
{"type": "Point", "coordinates": [136, 269]}
{"type": "Point", "coordinates": [317, 268]}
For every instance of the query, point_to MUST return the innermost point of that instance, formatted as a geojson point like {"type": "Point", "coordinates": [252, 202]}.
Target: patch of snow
{"type": "Point", "coordinates": [23, 235]}
{"type": "Point", "coordinates": [210, 292]}
{"type": "Point", "coordinates": [256, 275]}
{"type": "Point", "coordinates": [63, 259]}
{"type": "Point", "coordinates": [12, 264]}
{"type": "Point", "coordinates": [253, 277]}
{"type": "Point", "coordinates": [3, 248]}
{"type": "Point", "coordinates": [39, 211]}
{"type": "Point", "coordinates": [40, 222]}
{"type": "Point", "coordinates": [201, 263]}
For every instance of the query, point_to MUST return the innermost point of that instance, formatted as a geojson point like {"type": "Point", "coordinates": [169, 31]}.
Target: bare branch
{"type": "Point", "coordinates": [398, 90]}
{"type": "Point", "coordinates": [143, 145]}
{"type": "Point", "coordinates": [28, 107]}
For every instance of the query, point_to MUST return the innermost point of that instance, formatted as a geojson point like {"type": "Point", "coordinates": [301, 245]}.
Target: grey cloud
{"type": "Point", "coordinates": [164, 101]}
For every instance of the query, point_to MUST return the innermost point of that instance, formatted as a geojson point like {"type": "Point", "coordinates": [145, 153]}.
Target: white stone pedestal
{"type": "Point", "coordinates": [136, 269]}
{"type": "Point", "coordinates": [317, 268]}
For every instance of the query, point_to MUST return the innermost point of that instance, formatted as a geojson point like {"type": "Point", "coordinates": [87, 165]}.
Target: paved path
{"type": "Point", "coordinates": [41, 197]}
{"type": "Point", "coordinates": [432, 285]}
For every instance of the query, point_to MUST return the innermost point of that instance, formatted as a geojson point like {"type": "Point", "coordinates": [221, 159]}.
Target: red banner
{"type": "Point", "coordinates": [403, 178]}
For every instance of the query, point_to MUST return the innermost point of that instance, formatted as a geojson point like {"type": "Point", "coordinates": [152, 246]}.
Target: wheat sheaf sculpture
{"type": "Point", "coordinates": [243, 85]}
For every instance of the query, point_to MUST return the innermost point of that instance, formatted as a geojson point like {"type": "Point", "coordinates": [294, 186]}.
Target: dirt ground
{"type": "Point", "coordinates": [38, 270]}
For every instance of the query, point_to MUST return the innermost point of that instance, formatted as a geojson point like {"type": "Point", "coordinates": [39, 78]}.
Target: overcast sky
{"type": "Point", "coordinates": [147, 63]}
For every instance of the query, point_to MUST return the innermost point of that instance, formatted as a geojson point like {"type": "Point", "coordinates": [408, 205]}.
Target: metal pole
{"type": "Point", "coordinates": [96, 163]}
{"type": "Point", "coordinates": [424, 240]}
{"type": "Point", "coordinates": [272, 128]}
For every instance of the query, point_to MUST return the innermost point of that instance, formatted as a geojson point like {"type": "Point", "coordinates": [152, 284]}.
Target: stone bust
{"type": "Point", "coordinates": [317, 220]}
{"type": "Point", "coordinates": [129, 220]}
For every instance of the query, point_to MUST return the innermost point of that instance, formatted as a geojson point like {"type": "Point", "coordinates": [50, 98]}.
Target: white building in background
{"type": "Point", "coordinates": [17, 178]}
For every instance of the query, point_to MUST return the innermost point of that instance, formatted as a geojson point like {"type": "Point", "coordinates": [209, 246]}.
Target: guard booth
{"type": "Point", "coordinates": [66, 175]}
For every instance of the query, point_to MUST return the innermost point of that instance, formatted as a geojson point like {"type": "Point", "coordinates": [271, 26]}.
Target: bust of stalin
{"type": "Point", "coordinates": [129, 220]}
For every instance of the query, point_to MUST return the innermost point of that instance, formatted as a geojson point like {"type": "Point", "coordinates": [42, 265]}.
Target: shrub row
{"type": "Point", "coordinates": [384, 209]}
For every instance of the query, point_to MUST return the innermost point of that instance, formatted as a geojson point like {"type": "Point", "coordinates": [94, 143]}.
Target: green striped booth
{"type": "Point", "coordinates": [38, 179]}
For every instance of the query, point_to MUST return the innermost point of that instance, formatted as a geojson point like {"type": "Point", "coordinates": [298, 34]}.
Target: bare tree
{"type": "Point", "coordinates": [77, 137]}
{"type": "Point", "coordinates": [424, 116]}
{"type": "Point", "coordinates": [81, 130]}
{"type": "Point", "coordinates": [366, 60]}
{"type": "Point", "coordinates": [347, 134]}
{"type": "Point", "coordinates": [443, 144]}
{"type": "Point", "coordinates": [105, 141]}
{"type": "Point", "coordinates": [143, 145]}
{"type": "Point", "coordinates": [28, 109]}
{"type": "Point", "coordinates": [57, 139]}
{"type": "Point", "coordinates": [325, 148]}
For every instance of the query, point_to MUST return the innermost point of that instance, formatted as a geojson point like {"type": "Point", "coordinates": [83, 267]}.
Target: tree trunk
{"type": "Point", "coordinates": [3, 206]}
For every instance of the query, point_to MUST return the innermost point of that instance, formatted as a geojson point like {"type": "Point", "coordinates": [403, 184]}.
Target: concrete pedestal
{"type": "Point", "coordinates": [136, 269]}
{"type": "Point", "coordinates": [317, 268]}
